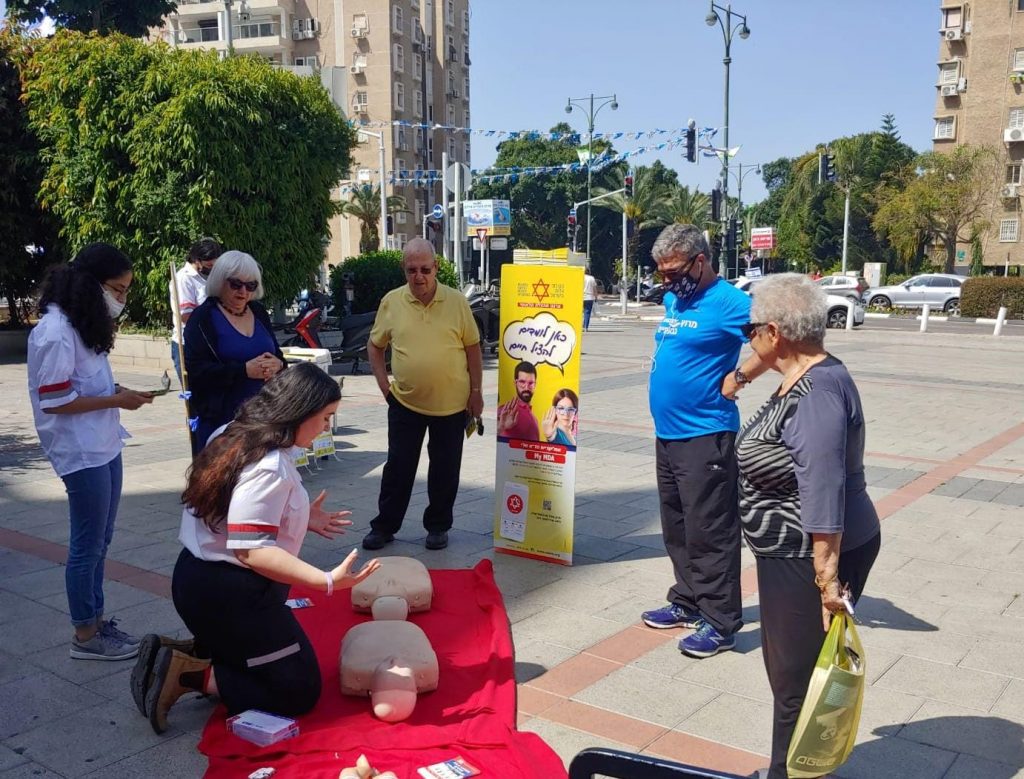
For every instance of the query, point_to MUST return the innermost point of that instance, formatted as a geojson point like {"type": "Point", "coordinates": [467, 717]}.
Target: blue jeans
{"type": "Point", "coordinates": [176, 359]}
{"type": "Point", "coordinates": [588, 308]}
{"type": "Point", "coordinates": [93, 495]}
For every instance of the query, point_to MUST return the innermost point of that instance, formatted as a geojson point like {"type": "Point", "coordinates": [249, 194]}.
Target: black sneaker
{"type": "Point", "coordinates": [375, 539]}
{"type": "Point", "coordinates": [438, 540]}
{"type": "Point", "coordinates": [671, 616]}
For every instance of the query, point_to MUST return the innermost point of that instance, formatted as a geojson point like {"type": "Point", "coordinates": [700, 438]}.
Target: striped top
{"type": "Point", "coordinates": [269, 507]}
{"type": "Point", "coordinates": [801, 464]}
{"type": "Point", "coordinates": [61, 368]}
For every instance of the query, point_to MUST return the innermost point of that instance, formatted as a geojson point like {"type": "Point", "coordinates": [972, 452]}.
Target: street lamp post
{"type": "Point", "coordinates": [243, 8]}
{"type": "Point", "coordinates": [739, 176]}
{"type": "Point", "coordinates": [715, 16]}
{"type": "Point", "coordinates": [588, 106]}
{"type": "Point", "coordinates": [383, 190]}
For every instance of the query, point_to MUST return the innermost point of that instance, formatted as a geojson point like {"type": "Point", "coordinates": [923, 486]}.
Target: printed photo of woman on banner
{"type": "Point", "coordinates": [538, 407]}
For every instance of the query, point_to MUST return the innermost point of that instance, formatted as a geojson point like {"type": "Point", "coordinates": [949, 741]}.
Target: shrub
{"type": "Point", "coordinates": [895, 278]}
{"type": "Point", "coordinates": [982, 297]}
{"type": "Point", "coordinates": [375, 274]}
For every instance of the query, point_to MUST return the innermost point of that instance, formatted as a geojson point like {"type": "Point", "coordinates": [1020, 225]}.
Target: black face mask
{"type": "Point", "coordinates": [204, 272]}
{"type": "Point", "coordinates": [685, 287]}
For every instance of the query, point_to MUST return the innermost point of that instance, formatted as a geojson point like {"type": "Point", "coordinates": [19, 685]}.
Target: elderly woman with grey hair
{"type": "Point", "coordinates": [230, 349]}
{"type": "Point", "coordinates": [804, 506]}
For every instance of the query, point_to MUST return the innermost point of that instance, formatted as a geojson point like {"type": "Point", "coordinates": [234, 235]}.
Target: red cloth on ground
{"type": "Point", "coordinates": [471, 714]}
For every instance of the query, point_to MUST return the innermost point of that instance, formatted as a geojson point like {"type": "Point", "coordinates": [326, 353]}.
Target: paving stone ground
{"type": "Point", "coordinates": [942, 619]}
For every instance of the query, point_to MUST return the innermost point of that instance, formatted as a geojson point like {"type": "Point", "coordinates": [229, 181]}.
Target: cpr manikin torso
{"type": "Point", "coordinates": [389, 659]}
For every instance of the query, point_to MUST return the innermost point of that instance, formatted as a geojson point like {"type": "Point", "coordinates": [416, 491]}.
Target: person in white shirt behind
{"type": "Point", "coordinates": [191, 281]}
{"type": "Point", "coordinates": [246, 515]}
{"type": "Point", "coordinates": [76, 407]}
{"type": "Point", "coordinates": [589, 297]}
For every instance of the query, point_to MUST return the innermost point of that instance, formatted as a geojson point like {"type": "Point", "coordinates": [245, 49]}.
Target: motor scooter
{"type": "Point", "coordinates": [486, 307]}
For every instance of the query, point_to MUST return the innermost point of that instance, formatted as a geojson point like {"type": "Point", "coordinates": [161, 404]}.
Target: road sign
{"type": "Point", "coordinates": [437, 212]}
{"type": "Point", "coordinates": [465, 177]}
{"type": "Point", "coordinates": [762, 238]}
{"type": "Point", "coordinates": [499, 244]}
{"type": "Point", "coordinates": [572, 212]}
{"type": "Point", "coordinates": [481, 234]}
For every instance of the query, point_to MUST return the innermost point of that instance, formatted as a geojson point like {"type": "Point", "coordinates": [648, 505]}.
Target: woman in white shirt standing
{"type": "Point", "coordinates": [75, 405]}
{"type": "Point", "coordinates": [246, 515]}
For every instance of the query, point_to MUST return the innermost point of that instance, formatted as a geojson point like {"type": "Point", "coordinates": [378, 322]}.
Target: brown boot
{"type": "Point", "coordinates": [142, 673]}
{"type": "Point", "coordinates": [167, 684]}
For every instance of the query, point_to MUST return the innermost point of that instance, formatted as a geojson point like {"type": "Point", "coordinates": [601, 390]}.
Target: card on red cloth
{"type": "Point", "coordinates": [472, 713]}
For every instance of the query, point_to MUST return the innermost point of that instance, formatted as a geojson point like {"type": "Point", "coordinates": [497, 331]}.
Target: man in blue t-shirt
{"type": "Point", "coordinates": [693, 386]}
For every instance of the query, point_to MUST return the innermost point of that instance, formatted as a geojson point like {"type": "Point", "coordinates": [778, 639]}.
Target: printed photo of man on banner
{"type": "Point", "coordinates": [538, 410]}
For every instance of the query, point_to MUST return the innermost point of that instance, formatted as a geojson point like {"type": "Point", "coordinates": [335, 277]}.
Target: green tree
{"type": "Point", "coordinates": [131, 17]}
{"type": "Point", "coordinates": [685, 206]}
{"type": "Point", "coordinates": [646, 210]}
{"type": "Point", "coordinates": [776, 177]}
{"type": "Point", "coordinates": [147, 147]}
{"type": "Point", "coordinates": [364, 205]}
{"type": "Point", "coordinates": [941, 196]}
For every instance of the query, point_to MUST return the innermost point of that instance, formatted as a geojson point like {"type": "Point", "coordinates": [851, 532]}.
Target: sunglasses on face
{"type": "Point", "coordinates": [749, 330]}
{"type": "Point", "coordinates": [565, 410]}
{"type": "Point", "coordinates": [420, 271]}
{"type": "Point", "coordinates": [237, 284]}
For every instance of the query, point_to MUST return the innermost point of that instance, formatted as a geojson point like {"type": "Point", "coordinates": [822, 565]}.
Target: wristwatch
{"type": "Point", "coordinates": [740, 377]}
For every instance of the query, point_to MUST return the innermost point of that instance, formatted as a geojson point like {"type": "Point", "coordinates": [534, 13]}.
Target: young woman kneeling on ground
{"type": "Point", "coordinates": [246, 514]}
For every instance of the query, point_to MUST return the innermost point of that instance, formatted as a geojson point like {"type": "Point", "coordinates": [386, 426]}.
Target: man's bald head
{"type": "Point", "coordinates": [418, 250]}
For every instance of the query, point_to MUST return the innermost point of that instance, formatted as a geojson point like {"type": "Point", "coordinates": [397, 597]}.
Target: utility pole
{"type": "Point", "coordinates": [591, 114]}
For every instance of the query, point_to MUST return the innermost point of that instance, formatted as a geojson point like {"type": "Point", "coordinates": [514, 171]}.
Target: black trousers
{"type": "Point", "coordinates": [261, 657]}
{"type": "Point", "coordinates": [700, 525]}
{"type": "Point", "coordinates": [406, 430]}
{"type": "Point", "coordinates": [792, 632]}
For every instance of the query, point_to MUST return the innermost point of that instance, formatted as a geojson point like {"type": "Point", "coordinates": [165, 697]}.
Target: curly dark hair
{"type": "Point", "coordinates": [77, 288]}
{"type": "Point", "coordinates": [204, 250]}
{"type": "Point", "coordinates": [267, 421]}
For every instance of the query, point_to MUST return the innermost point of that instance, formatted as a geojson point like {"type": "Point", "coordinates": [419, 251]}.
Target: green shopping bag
{"type": "Point", "coordinates": [827, 727]}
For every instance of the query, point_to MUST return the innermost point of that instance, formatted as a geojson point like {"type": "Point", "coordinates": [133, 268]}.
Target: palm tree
{"type": "Point", "coordinates": [686, 207]}
{"type": "Point", "coordinates": [365, 206]}
{"type": "Point", "coordinates": [645, 210]}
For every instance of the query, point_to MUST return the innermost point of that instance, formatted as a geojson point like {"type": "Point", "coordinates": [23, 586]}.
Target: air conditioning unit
{"type": "Point", "coordinates": [361, 108]}
{"type": "Point", "coordinates": [357, 69]}
{"type": "Point", "coordinates": [953, 34]}
{"type": "Point", "coordinates": [358, 32]}
{"type": "Point", "coordinates": [309, 34]}
{"type": "Point", "coordinates": [1009, 191]}
{"type": "Point", "coordinates": [365, 174]}
{"type": "Point", "coordinates": [1013, 134]}
{"type": "Point", "coordinates": [949, 90]}
{"type": "Point", "coordinates": [453, 93]}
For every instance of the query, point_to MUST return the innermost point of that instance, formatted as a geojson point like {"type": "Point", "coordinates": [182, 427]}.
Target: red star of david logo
{"type": "Point", "coordinates": [514, 503]}
{"type": "Point", "coordinates": [540, 290]}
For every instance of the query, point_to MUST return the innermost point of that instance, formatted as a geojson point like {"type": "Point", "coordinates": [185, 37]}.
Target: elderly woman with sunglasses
{"type": "Point", "coordinates": [804, 506]}
{"type": "Point", "coordinates": [230, 349]}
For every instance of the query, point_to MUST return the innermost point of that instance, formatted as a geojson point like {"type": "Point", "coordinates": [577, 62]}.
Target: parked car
{"type": "Point", "coordinates": [848, 286]}
{"type": "Point", "coordinates": [939, 290]}
{"type": "Point", "coordinates": [837, 304]}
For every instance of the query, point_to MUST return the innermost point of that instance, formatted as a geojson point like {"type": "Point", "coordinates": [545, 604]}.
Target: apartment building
{"type": "Point", "coordinates": [381, 60]}
{"type": "Point", "coordinates": [980, 100]}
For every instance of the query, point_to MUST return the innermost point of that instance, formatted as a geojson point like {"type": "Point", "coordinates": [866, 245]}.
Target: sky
{"type": "Point", "coordinates": [811, 71]}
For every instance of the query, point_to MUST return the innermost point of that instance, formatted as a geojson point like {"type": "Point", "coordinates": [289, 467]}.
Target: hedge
{"type": "Point", "coordinates": [375, 275]}
{"type": "Point", "coordinates": [982, 297]}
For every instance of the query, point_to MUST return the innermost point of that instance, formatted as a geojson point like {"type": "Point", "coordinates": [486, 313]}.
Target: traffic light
{"type": "Point", "coordinates": [570, 227]}
{"type": "Point", "coordinates": [715, 205]}
{"type": "Point", "coordinates": [691, 144]}
{"type": "Point", "coordinates": [628, 185]}
{"type": "Point", "coordinates": [734, 234]}
{"type": "Point", "coordinates": [391, 225]}
{"type": "Point", "coordinates": [826, 167]}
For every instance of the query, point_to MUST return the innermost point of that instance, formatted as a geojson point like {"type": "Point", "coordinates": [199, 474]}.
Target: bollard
{"type": "Point", "coordinates": [850, 307]}
{"type": "Point", "coordinates": [925, 311]}
{"type": "Point", "coordinates": [1000, 319]}
{"type": "Point", "coordinates": [622, 295]}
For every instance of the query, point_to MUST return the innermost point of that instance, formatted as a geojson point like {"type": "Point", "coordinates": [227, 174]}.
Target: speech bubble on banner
{"type": "Point", "coordinates": [540, 339]}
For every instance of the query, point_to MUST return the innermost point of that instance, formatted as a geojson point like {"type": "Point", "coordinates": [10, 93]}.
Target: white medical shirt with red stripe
{"type": "Point", "coordinates": [191, 294]}
{"type": "Point", "coordinates": [62, 368]}
{"type": "Point", "coordinates": [269, 507]}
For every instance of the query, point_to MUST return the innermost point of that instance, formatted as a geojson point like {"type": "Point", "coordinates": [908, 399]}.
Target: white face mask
{"type": "Point", "coordinates": [114, 306]}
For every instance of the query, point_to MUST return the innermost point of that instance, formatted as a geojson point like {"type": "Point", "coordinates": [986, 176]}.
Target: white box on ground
{"type": "Point", "coordinates": [321, 357]}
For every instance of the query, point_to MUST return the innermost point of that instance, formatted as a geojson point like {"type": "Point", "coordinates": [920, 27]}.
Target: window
{"type": "Point", "coordinates": [1013, 173]}
{"type": "Point", "coordinates": [397, 20]}
{"type": "Point", "coordinates": [417, 67]}
{"type": "Point", "coordinates": [451, 149]}
{"type": "Point", "coordinates": [1008, 230]}
{"type": "Point", "coordinates": [359, 22]}
{"type": "Point", "coordinates": [208, 31]}
{"type": "Point", "coordinates": [401, 142]}
{"type": "Point", "coordinates": [465, 56]}
{"type": "Point", "coordinates": [421, 209]}
{"type": "Point", "coordinates": [466, 149]}
{"type": "Point", "coordinates": [400, 163]}
{"type": "Point", "coordinates": [452, 51]}
{"type": "Point", "coordinates": [399, 96]}
{"type": "Point", "coordinates": [449, 13]}
{"type": "Point", "coordinates": [465, 88]}
{"type": "Point", "coordinates": [309, 62]}
{"type": "Point", "coordinates": [1018, 60]}
{"type": "Point", "coordinates": [945, 128]}
{"type": "Point", "coordinates": [358, 62]}
{"type": "Point", "coordinates": [451, 116]}
{"type": "Point", "coordinates": [465, 22]}
{"type": "Point", "coordinates": [398, 57]}
{"type": "Point", "coordinates": [1016, 118]}
{"type": "Point", "coordinates": [417, 104]}
{"type": "Point", "coordinates": [451, 83]}
{"type": "Point", "coordinates": [1020, 5]}
{"type": "Point", "coordinates": [949, 73]}
{"type": "Point", "coordinates": [465, 119]}
{"type": "Point", "coordinates": [400, 240]}
{"type": "Point", "coordinates": [400, 216]}
{"type": "Point", "coordinates": [417, 140]}
{"type": "Point", "coordinates": [952, 17]}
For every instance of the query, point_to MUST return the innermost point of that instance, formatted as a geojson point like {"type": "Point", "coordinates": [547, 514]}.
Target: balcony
{"type": "Point", "coordinates": [257, 35]}
{"type": "Point", "coordinates": [193, 8]}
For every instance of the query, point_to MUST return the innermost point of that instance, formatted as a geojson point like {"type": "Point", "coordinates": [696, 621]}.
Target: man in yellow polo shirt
{"type": "Point", "coordinates": [438, 367]}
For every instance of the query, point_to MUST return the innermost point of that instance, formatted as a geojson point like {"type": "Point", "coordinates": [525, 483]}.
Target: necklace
{"type": "Point", "coordinates": [241, 314]}
{"type": "Point", "coordinates": [791, 378]}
